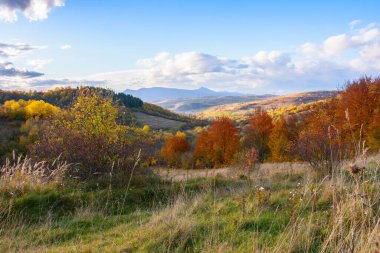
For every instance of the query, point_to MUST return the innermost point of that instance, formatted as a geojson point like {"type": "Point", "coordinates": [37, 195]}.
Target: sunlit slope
{"type": "Point", "coordinates": [273, 104]}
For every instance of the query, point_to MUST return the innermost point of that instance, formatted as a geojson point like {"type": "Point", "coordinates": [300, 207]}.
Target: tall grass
{"type": "Point", "coordinates": [279, 208]}
{"type": "Point", "coordinates": [23, 173]}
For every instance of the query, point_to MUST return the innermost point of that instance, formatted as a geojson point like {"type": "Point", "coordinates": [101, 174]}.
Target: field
{"type": "Point", "coordinates": [283, 207]}
{"type": "Point", "coordinates": [157, 122]}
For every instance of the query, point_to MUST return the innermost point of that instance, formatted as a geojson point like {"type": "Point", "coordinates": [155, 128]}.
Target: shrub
{"type": "Point", "coordinates": [89, 136]}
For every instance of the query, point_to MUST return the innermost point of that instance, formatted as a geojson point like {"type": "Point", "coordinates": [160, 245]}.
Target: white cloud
{"type": "Point", "coordinates": [309, 66]}
{"type": "Point", "coordinates": [7, 72]}
{"type": "Point", "coordinates": [335, 45]}
{"type": "Point", "coordinates": [11, 74]}
{"type": "Point", "coordinates": [33, 10]}
{"type": "Point", "coordinates": [323, 65]}
{"type": "Point", "coordinates": [371, 52]}
{"type": "Point", "coordinates": [20, 83]}
{"type": "Point", "coordinates": [39, 64]}
{"type": "Point", "coordinates": [354, 23]}
{"type": "Point", "coordinates": [65, 47]}
{"type": "Point", "coordinates": [16, 50]}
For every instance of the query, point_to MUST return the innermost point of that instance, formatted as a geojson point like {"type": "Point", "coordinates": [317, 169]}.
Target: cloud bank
{"type": "Point", "coordinates": [33, 10]}
{"type": "Point", "coordinates": [323, 65]}
{"type": "Point", "coordinates": [12, 78]}
{"type": "Point", "coordinates": [327, 64]}
{"type": "Point", "coordinates": [9, 73]}
{"type": "Point", "coordinates": [7, 70]}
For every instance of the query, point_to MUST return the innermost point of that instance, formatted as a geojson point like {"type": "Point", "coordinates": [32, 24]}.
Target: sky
{"type": "Point", "coordinates": [247, 46]}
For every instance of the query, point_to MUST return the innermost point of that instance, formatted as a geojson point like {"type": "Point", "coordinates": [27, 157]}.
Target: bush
{"type": "Point", "coordinates": [88, 135]}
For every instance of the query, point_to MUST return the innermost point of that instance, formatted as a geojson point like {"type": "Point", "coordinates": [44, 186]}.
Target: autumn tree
{"type": "Point", "coordinates": [280, 141]}
{"type": "Point", "coordinates": [173, 150]}
{"type": "Point", "coordinates": [93, 116]}
{"type": "Point", "coordinates": [203, 149]}
{"type": "Point", "coordinates": [356, 110]}
{"type": "Point", "coordinates": [320, 143]}
{"type": "Point", "coordinates": [256, 134]}
{"type": "Point", "coordinates": [374, 132]}
{"type": "Point", "coordinates": [88, 135]}
{"type": "Point", "coordinates": [25, 109]}
{"type": "Point", "coordinates": [218, 144]}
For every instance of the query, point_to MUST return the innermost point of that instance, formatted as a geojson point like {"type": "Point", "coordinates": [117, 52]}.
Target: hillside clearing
{"type": "Point", "coordinates": [157, 122]}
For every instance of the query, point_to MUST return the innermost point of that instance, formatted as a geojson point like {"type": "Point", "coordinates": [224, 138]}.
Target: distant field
{"type": "Point", "coordinates": [156, 122]}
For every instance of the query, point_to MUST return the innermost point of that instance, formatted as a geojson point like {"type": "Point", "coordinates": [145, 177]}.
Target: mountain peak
{"type": "Point", "coordinates": [155, 94]}
{"type": "Point", "coordinates": [204, 89]}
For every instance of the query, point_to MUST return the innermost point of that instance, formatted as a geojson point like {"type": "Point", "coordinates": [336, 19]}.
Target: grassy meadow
{"type": "Point", "coordinates": [283, 207]}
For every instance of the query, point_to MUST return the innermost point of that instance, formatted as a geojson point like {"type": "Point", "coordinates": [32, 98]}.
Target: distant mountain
{"type": "Point", "coordinates": [193, 105]}
{"type": "Point", "coordinates": [155, 94]}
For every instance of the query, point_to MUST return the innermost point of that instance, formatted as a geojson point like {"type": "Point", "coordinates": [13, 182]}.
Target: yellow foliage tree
{"type": "Point", "coordinates": [92, 116]}
{"type": "Point", "coordinates": [146, 129]}
{"type": "Point", "coordinates": [31, 108]}
{"type": "Point", "coordinates": [180, 134]}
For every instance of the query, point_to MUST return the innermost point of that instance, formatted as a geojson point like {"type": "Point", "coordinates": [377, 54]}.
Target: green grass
{"type": "Point", "coordinates": [200, 215]}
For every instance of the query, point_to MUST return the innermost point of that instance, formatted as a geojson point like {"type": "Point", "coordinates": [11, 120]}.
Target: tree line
{"type": "Point", "coordinates": [330, 132]}
{"type": "Point", "coordinates": [90, 134]}
{"type": "Point", "coordinates": [65, 97]}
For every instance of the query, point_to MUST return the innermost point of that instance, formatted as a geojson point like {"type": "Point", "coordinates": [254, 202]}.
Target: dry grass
{"type": "Point", "coordinates": [280, 208]}
{"type": "Point", "coordinates": [21, 173]}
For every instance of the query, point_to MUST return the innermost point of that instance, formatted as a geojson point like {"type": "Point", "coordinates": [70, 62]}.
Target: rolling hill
{"type": "Point", "coordinates": [245, 109]}
{"type": "Point", "coordinates": [132, 110]}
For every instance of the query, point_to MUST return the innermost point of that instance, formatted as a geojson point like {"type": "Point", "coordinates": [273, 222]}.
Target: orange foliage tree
{"type": "Point", "coordinates": [281, 141]}
{"type": "Point", "coordinates": [257, 133]}
{"type": "Point", "coordinates": [173, 150]}
{"type": "Point", "coordinates": [320, 143]}
{"type": "Point", "coordinates": [356, 110]}
{"type": "Point", "coordinates": [218, 144]}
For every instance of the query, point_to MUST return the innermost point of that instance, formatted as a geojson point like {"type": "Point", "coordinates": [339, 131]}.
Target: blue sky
{"type": "Point", "coordinates": [254, 46]}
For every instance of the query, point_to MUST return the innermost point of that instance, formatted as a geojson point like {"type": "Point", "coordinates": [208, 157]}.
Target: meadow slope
{"type": "Point", "coordinates": [275, 208]}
